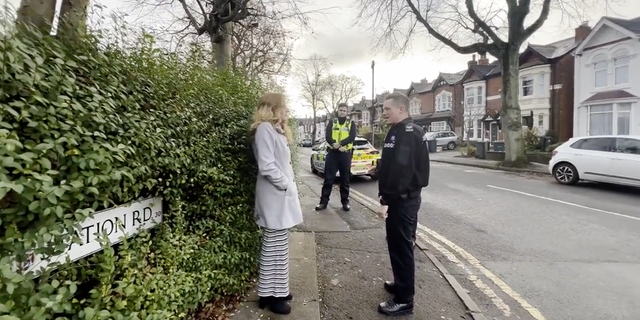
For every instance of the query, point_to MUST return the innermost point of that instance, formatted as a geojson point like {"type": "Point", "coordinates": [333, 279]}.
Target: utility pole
{"type": "Point", "coordinates": [373, 97]}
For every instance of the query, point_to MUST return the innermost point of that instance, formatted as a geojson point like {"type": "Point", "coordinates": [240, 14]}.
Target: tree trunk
{"type": "Point", "coordinates": [38, 13]}
{"type": "Point", "coordinates": [511, 117]}
{"type": "Point", "coordinates": [313, 138]}
{"type": "Point", "coordinates": [73, 18]}
{"type": "Point", "coordinates": [223, 49]}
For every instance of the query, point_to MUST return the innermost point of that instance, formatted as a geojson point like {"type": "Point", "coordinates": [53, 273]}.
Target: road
{"type": "Point", "coordinates": [528, 248]}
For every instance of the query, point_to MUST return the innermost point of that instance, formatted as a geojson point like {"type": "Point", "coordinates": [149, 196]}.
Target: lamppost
{"type": "Point", "coordinates": [373, 97]}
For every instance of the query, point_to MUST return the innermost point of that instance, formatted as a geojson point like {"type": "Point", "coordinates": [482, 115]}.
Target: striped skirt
{"type": "Point", "coordinates": [274, 264]}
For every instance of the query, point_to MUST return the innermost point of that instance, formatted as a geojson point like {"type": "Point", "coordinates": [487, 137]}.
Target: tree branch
{"type": "Point", "coordinates": [201, 29]}
{"type": "Point", "coordinates": [473, 48]}
{"type": "Point", "coordinates": [544, 14]}
{"type": "Point", "coordinates": [479, 22]}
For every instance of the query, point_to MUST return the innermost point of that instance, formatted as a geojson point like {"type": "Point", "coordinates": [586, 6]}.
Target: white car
{"type": "Point", "coordinates": [607, 159]}
{"type": "Point", "coordinates": [363, 162]}
{"type": "Point", "coordinates": [444, 139]}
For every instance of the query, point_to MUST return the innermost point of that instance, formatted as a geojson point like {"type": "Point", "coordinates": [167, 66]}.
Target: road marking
{"type": "Point", "coordinates": [497, 301]}
{"type": "Point", "coordinates": [534, 312]}
{"type": "Point", "coordinates": [567, 203]}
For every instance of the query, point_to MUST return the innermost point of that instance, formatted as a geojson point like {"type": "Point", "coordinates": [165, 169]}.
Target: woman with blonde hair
{"type": "Point", "coordinates": [277, 207]}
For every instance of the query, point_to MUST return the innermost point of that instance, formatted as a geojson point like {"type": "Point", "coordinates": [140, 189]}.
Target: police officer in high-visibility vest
{"type": "Point", "coordinates": [340, 134]}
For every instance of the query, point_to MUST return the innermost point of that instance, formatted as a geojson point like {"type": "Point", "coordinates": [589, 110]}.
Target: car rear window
{"type": "Point", "coordinates": [362, 144]}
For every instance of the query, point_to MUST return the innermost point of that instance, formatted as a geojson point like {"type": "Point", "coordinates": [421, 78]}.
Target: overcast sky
{"type": "Point", "coordinates": [350, 48]}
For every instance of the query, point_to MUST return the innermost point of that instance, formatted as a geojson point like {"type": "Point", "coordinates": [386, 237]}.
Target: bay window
{"type": "Point", "coordinates": [527, 86]}
{"type": "Point", "coordinates": [610, 119]}
{"type": "Point", "coordinates": [471, 96]}
{"type": "Point", "coordinates": [438, 126]}
{"type": "Point", "coordinates": [480, 95]}
{"type": "Point", "coordinates": [443, 101]}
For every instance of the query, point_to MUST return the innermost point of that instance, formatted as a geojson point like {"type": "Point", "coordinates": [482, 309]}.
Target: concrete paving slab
{"type": "Point", "coordinates": [326, 220]}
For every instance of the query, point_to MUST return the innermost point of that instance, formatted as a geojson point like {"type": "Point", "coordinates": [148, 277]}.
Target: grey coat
{"type": "Point", "coordinates": [277, 203]}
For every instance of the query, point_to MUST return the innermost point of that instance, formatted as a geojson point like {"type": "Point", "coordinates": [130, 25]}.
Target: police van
{"type": "Point", "coordinates": [363, 163]}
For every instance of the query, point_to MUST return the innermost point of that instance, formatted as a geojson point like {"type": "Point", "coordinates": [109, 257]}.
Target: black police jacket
{"type": "Point", "coordinates": [403, 169]}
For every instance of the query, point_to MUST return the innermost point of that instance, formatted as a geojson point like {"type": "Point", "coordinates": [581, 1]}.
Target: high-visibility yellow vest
{"type": "Point", "coordinates": [340, 132]}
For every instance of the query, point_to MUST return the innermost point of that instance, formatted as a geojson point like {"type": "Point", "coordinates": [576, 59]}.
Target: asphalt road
{"type": "Point", "coordinates": [528, 248]}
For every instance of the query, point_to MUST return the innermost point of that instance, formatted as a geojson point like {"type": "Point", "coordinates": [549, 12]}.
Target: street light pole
{"type": "Point", "coordinates": [373, 97]}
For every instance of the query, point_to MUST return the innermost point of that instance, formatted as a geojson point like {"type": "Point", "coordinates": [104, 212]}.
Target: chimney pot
{"type": "Point", "coordinates": [483, 61]}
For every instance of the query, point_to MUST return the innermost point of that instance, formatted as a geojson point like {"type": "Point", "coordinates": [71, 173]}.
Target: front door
{"type": "Point", "coordinates": [494, 131]}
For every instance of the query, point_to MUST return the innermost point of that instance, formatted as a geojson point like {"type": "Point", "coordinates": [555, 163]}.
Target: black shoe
{"type": "Point", "coordinates": [390, 287]}
{"type": "Point", "coordinates": [276, 305]}
{"type": "Point", "coordinates": [289, 297]}
{"type": "Point", "coordinates": [392, 308]}
{"type": "Point", "coordinates": [321, 207]}
{"type": "Point", "coordinates": [346, 207]}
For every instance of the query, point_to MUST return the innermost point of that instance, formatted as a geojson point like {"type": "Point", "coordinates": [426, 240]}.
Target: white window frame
{"type": "Point", "coordinates": [529, 85]}
{"type": "Point", "coordinates": [479, 95]}
{"type": "Point", "coordinates": [617, 109]}
{"type": "Point", "coordinates": [470, 96]}
{"type": "Point", "coordinates": [444, 101]}
{"type": "Point", "coordinates": [600, 71]}
{"type": "Point", "coordinates": [440, 125]}
{"type": "Point", "coordinates": [621, 61]}
{"type": "Point", "coordinates": [414, 106]}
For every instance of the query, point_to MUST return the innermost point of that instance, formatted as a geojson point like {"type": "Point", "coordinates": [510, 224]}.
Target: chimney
{"type": "Point", "coordinates": [483, 61]}
{"type": "Point", "coordinates": [473, 61]}
{"type": "Point", "coordinates": [582, 31]}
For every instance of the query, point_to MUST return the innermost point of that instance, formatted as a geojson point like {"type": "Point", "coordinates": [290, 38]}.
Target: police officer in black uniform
{"type": "Point", "coordinates": [340, 134]}
{"type": "Point", "coordinates": [403, 172]}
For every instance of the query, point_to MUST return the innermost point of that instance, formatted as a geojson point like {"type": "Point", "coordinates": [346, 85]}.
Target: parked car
{"type": "Point", "coordinates": [364, 161]}
{"type": "Point", "coordinates": [305, 143]}
{"type": "Point", "coordinates": [444, 139]}
{"type": "Point", "coordinates": [608, 159]}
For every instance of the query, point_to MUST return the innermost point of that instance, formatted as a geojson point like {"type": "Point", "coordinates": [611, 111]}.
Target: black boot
{"type": "Point", "coordinates": [321, 206]}
{"type": "Point", "coordinates": [276, 305]}
{"type": "Point", "coordinates": [392, 308]}
{"type": "Point", "coordinates": [390, 287]}
{"type": "Point", "coordinates": [346, 207]}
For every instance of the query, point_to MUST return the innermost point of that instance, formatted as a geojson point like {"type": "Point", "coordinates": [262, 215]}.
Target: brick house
{"type": "Point", "coordinates": [421, 101]}
{"type": "Point", "coordinates": [448, 97]}
{"type": "Point", "coordinates": [476, 90]}
{"type": "Point", "coordinates": [547, 85]}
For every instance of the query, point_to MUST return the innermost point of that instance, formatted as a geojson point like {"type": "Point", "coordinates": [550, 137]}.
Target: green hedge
{"type": "Point", "coordinates": [84, 129]}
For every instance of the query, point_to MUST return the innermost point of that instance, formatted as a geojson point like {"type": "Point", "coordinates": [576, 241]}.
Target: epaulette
{"type": "Point", "coordinates": [409, 127]}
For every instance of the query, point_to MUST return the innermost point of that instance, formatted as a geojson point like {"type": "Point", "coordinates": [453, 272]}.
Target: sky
{"type": "Point", "coordinates": [349, 47]}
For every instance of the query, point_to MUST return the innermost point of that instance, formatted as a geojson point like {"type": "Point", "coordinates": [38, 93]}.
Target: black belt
{"type": "Point", "coordinates": [404, 196]}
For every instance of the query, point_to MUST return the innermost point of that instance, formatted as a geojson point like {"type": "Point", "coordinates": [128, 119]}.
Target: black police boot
{"type": "Point", "coordinates": [346, 207]}
{"type": "Point", "coordinates": [276, 305]}
{"type": "Point", "coordinates": [321, 206]}
{"type": "Point", "coordinates": [392, 308]}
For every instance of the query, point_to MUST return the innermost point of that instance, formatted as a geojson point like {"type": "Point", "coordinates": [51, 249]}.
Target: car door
{"type": "Point", "coordinates": [593, 158]}
{"type": "Point", "coordinates": [320, 156]}
{"type": "Point", "coordinates": [626, 161]}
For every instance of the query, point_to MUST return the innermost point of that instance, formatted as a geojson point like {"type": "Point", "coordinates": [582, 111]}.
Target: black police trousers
{"type": "Point", "coordinates": [401, 222]}
{"type": "Point", "coordinates": [336, 161]}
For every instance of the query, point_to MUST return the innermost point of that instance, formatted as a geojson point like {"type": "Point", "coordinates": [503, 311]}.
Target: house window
{"type": "Point", "coordinates": [471, 96]}
{"type": "Point", "coordinates": [610, 119]}
{"type": "Point", "coordinates": [540, 83]}
{"type": "Point", "coordinates": [438, 126]}
{"type": "Point", "coordinates": [443, 101]}
{"type": "Point", "coordinates": [621, 66]}
{"type": "Point", "coordinates": [479, 95]}
{"type": "Point", "coordinates": [527, 86]}
{"type": "Point", "coordinates": [541, 120]}
{"type": "Point", "coordinates": [415, 106]}
{"type": "Point", "coordinates": [478, 134]}
{"type": "Point", "coordinates": [600, 69]}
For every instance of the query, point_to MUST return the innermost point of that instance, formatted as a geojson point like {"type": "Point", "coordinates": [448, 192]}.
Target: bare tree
{"type": "Point", "coordinates": [312, 76]}
{"type": "Point", "coordinates": [471, 116]}
{"type": "Point", "coordinates": [217, 19]}
{"type": "Point", "coordinates": [340, 88]}
{"type": "Point", "coordinates": [261, 47]}
{"type": "Point", "coordinates": [469, 26]}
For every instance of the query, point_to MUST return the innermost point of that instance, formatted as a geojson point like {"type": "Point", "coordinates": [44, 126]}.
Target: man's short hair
{"type": "Point", "coordinates": [343, 105]}
{"type": "Point", "coordinates": [399, 99]}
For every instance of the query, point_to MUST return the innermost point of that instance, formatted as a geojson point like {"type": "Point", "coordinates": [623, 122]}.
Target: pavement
{"type": "Point", "coordinates": [454, 157]}
{"type": "Point", "coordinates": [525, 247]}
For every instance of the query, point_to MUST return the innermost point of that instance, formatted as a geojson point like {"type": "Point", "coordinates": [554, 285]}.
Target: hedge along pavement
{"type": "Point", "coordinates": [83, 129]}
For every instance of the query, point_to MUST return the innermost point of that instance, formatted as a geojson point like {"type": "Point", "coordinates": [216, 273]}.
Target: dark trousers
{"type": "Point", "coordinates": [402, 221]}
{"type": "Point", "coordinates": [336, 161]}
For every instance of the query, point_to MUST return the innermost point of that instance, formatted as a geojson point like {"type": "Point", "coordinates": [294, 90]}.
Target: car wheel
{"type": "Point", "coordinates": [313, 168]}
{"type": "Point", "coordinates": [451, 145]}
{"type": "Point", "coordinates": [565, 173]}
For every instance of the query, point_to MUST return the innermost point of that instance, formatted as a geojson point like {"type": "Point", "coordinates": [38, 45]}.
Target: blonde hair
{"type": "Point", "coordinates": [269, 109]}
